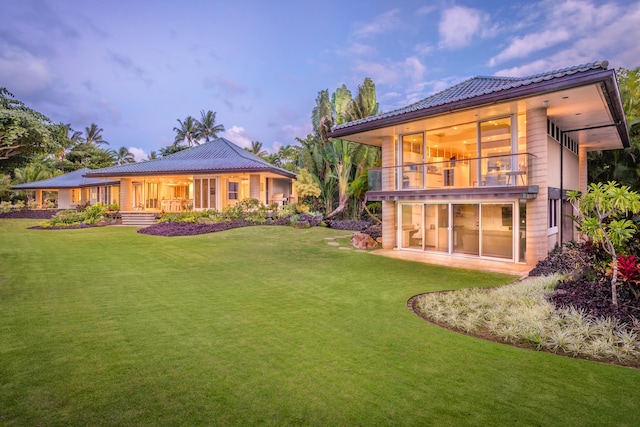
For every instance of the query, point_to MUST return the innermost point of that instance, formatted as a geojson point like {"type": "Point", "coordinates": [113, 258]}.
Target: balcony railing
{"type": "Point", "coordinates": [490, 171]}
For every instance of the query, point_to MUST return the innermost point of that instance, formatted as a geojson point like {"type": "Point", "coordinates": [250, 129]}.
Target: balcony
{"type": "Point", "coordinates": [511, 170]}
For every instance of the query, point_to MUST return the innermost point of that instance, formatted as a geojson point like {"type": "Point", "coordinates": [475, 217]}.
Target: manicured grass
{"type": "Point", "coordinates": [261, 325]}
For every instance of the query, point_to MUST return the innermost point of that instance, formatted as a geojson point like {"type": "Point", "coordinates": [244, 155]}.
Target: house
{"type": "Point", "coordinates": [481, 170]}
{"type": "Point", "coordinates": [73, 189]}
{"type": "Point", "coordinates": [212, 175]}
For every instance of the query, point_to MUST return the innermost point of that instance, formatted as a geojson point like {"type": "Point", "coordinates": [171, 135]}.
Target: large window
{"type": "Point", "coordinates": [412, 161]}
{"type": "Point", "coordinates": [233, 190]}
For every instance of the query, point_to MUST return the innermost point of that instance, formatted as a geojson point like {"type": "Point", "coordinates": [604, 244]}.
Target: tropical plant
{"type": "Point", "coordinates": [152, 156]}
{"type": "Point", "coordinates": [187, 132]}
{"type": "Point", "coordinates": [206, 127]}
{"type": "Point", "coordinates": [93, 135]}
{"type": "Point", "coordinates": [602, 215]}
{"type": "Point", "coordinates": [622, 165]}
{"type": "Point", "coordinates": [256, 148]}
{"type": "Point", "coordinates": [338, 163]}
{"type": "Point", "coordinates": [123, 156]}
{"type": "Point", "coordinates": [172, 149]}
{"type": "Point", "coordinates": [23, 131]}
{"type": "Point", "coordinates": [63, 139]}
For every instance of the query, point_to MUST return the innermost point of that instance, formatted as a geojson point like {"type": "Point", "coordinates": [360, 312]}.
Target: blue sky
{"type": "Point", "coordinates": [134, 67]}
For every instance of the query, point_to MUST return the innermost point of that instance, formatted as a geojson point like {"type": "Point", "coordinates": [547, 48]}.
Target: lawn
{"type": "Point", "coordinates": [261, 326]}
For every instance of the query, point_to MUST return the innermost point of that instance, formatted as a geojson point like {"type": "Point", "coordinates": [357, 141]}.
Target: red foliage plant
{"type": "Point", "coordinates": [629, 272]}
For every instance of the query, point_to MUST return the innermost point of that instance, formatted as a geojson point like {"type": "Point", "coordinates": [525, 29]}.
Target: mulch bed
{"type": "Point", "coordinates": [30, 214]}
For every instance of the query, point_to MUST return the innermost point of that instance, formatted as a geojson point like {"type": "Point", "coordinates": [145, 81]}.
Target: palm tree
{"type": "Point", "coordinates": [207, 127]}
{"type": "Point", "coordinates": [256, 148]}
{"type": "Point", "coordinates": [152, 156]}
{"type": "Point", "coordinates": [93, 135]}
{"type": "Point", "coordinates": [64, 139]}
{"type": "Point", "coordinates": [123, 156]}
{"type": "Point", "coordinates": [187, 132]}
{"type": "Point", "coordinates": [31, 173]}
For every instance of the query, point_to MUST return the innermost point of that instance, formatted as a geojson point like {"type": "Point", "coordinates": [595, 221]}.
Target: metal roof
{"type": "Point", "coordinates": [484, 90]}
{"type": "Point", "coordinates": [73, 179]}
{"type": "Point", "coordinates": [219, 155]}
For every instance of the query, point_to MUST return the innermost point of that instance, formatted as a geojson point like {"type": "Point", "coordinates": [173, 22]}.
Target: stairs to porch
{"type": "Point", "coordinates": [138, 219]}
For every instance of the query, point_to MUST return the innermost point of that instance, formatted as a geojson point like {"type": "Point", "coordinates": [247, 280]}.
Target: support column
{"type": "Point", "coordinates": [39, 198]}
{"type": "Point", "coordinates": [537, 209]}
{"type": "Point", "coordinates": [126, 196]}
{"type": "Point", "coordinates": [583, 170]}
{"type": "Point", "coordinates": [388, 183]}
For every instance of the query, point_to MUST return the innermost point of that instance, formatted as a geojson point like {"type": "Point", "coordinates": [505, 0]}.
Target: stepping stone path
{"type": "Point", "coordinates": [331, 241]}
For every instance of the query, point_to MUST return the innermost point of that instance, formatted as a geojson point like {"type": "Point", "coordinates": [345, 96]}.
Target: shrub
{"type": "Point", "coordinates": [345, 224]}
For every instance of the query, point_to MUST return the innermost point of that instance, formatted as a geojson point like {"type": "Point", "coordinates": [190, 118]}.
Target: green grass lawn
{"type": "Point", "coordinates": [261, 326]}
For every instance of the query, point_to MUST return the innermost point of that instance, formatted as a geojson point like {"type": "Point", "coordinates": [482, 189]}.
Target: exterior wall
{"type": "Point", "coordinates": [553, 163]}
{"type": "Point", "coordinates": [126, 194]}
{"type": "Point", "coordinates": [582, 167]}
{"type": "Point", "coordinates": [254, 187]}
{"type": "Point", "coordinates": [537, 214]}
{"type": "Point", "coordinates": [64, 198]}
{"type": "Point", "coordinates": [388, 207]}
{"type": "Point", "coordinates": [571, 166]}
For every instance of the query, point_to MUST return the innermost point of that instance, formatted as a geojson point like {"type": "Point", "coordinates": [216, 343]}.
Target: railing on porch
{"type": "Point", "coordinates": [490, 171]}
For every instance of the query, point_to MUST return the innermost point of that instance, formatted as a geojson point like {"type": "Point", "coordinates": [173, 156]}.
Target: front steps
{"type": "Point", "coordinates": [138, 219]}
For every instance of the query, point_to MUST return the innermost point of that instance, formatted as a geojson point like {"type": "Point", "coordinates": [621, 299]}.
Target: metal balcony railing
{"type": "Point", "coordinates": [489, 171]}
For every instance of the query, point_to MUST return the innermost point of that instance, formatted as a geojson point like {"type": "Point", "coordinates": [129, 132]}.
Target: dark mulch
{"type": "Point", "coordinates": [30, 214]}
{"type": "Point", "coordinates": [65, 227]}
{"type": "Point", "coordinates": [594, 297]}
{"type": "Point", "coordinates": [344, 224]}
{"type": "Point", "coordinates": [172, 229]}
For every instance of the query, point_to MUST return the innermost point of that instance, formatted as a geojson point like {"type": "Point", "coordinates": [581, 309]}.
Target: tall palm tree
{"type": "Point", "coordinates": [93, 135]}
{"type": "Point", "coordinates": [123, 156]}
{"type": "Point", "coordinates": [256, 148]}
{"type": "Point", "coordinates": [187, 132]}
{"type": "Point", "coordinates": [207, 127]}
{"type": "Point", "coordinates": [152, 156]}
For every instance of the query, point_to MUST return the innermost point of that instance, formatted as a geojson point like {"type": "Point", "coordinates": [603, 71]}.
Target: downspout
{"type": "Point", "coordinates": [561, 187]}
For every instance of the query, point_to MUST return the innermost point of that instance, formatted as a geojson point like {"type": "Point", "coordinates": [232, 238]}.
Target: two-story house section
{"type": "Point", "coordinates": [482, 169]}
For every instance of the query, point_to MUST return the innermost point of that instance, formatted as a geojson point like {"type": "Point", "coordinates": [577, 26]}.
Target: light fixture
{"type": "Point", "coordinates": [545, 103]}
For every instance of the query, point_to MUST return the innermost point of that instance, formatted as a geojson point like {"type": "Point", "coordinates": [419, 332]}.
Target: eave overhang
{"type": "Point", "coordinates": [600, 76]}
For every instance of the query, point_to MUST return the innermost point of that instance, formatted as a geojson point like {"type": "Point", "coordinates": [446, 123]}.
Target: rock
{"type": "Point", "coordinates": [363, 241]}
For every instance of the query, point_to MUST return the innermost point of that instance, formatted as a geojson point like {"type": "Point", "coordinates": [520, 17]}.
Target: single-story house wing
{"type": "Point", "coordinates": [212, 175]}
{"type": "Point", "coordinates": [74, 189]}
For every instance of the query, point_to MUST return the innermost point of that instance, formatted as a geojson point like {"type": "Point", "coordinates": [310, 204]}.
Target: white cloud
{"type": "Point", "coordinates": [423, 48]}
{"type": "Point", "coordinates": [22, 72]}
{"type": "Point", "coordinates": [239, 136]}
{"type": "Point", "coordinates": [138, 153]}
{"type": "Point", "coordinates": [381, 24]}
{"type": "Point", "coordinates": [414, 68]}
{"type": "Point", "coordinates": [604, 27]}
{"type": "Point", "coordinates": [362, 49]}
{"type": "Point", "coordinates": [458, 25]}
{"type": "Point", "coordinates": [523, 46]}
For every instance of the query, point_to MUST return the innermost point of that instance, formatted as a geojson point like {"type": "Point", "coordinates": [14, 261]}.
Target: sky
{"type": "Point", "coordinates": [135, 67]}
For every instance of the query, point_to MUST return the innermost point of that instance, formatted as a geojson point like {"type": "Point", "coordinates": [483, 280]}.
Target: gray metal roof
{"type": "Point", "coordinates": [73, 179]}
{"type": "Point", "coordinates": [476, 91]}
{"type": "Point", "coordinates": [217, 156]}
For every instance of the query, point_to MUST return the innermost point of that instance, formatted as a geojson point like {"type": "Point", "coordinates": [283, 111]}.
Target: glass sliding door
{"type": "Point", "coordinates": [412, 231]}
{"type": "Point", "coordinates": [466, 226]}
{"type": "Point", "coordinates": [436, 227]}
{"type": "Point", "coordinates": [204, 193]}
{"type": "Point", "coordinates": [497, 230]}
